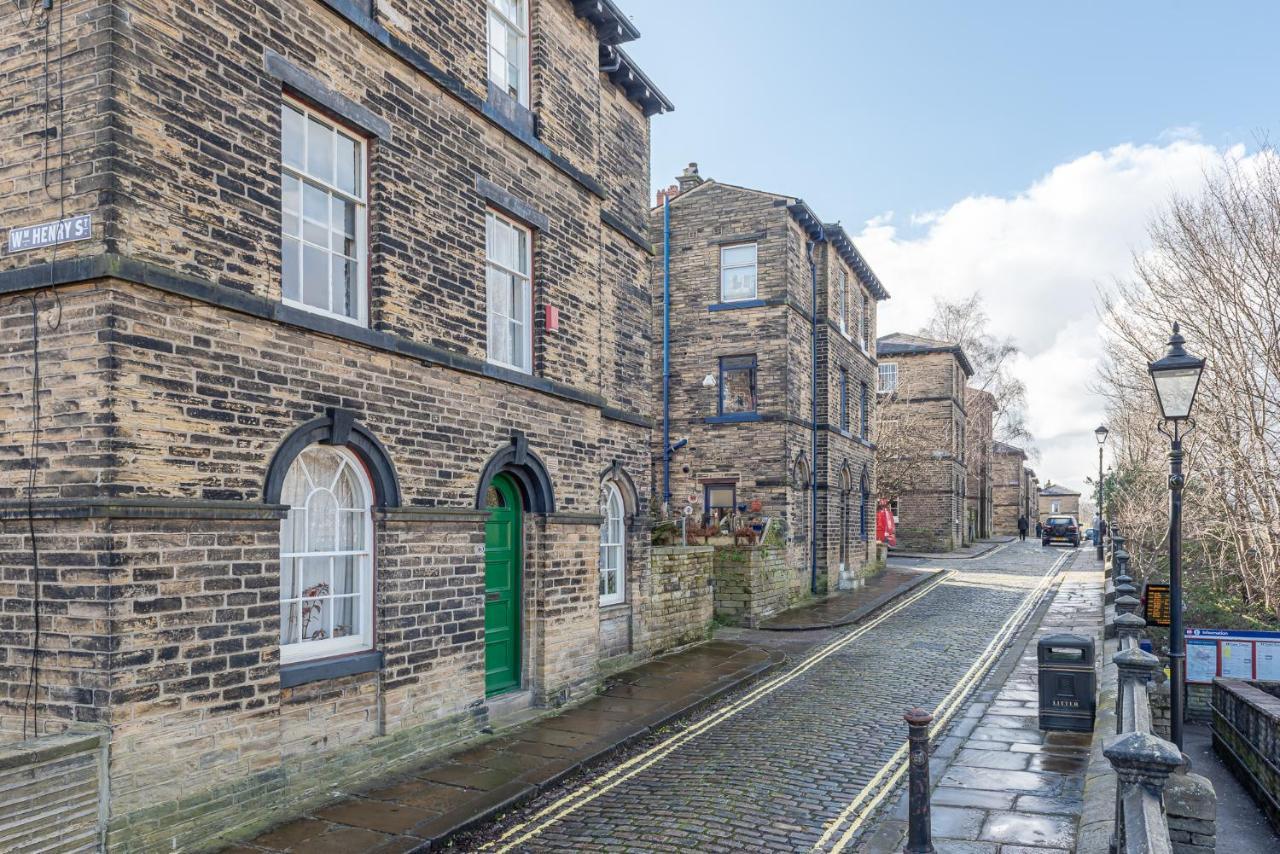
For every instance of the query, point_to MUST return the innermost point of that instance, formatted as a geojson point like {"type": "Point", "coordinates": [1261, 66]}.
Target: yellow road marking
{"type": "Point", "coordinates": [575, 800]}
{"type": "Point", "coordinates": [895, 767]}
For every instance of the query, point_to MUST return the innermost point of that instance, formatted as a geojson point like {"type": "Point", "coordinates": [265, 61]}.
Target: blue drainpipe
{"type": "Point", "coordinates": [813, 456]}
{"type": "Point", "coordinates": [666, 351]}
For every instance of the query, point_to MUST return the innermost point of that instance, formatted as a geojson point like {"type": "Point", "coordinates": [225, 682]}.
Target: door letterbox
{"type": "Point", "coordinates": [1067, 683]}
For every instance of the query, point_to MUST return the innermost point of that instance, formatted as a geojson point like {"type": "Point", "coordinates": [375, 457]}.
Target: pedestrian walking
{"type": "Point", "coordinates": [1039, 530]}
{"type": "Point", "coordinates": [1022, 527]}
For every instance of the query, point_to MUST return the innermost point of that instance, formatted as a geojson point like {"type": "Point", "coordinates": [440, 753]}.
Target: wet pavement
{"type": "Point", "coordinates": [1003, 785]}
{"type": "Point", "coordinates": [806, 758]}
{"type": "Point", "coordinates": [847, 608]}
{"type": "Point", "coordinates": [978, 549]}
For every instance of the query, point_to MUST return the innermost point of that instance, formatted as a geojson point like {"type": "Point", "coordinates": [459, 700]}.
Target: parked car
{"type": "Point", "coordinates": [1089, 535]}
{"type": "Point", "coordinates": [1060, 528]}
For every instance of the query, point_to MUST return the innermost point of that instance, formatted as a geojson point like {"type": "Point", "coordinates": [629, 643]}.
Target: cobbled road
{"type": "Point", "coordinates": [785, 765]}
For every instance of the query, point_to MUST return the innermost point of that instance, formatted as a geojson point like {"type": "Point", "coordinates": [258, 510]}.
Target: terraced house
{"type": "Point", "coordinates": [341, 445]}
{"type": "Point", "coordinates": [771, 368]}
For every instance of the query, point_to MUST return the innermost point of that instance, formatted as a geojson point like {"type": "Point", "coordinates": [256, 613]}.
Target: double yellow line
{"type": "Point", "coordinates": [580, 797]}
{"type": "Point", "coordinates": [896, 766]}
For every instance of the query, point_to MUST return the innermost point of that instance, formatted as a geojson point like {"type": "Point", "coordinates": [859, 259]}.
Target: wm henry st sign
{"type": "Point", "coordinates": [24, 237]}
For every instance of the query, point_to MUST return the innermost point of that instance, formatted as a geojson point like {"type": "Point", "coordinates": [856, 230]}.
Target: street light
{"type": "Point", "coordinates": [1101, 433]}
{"type": "Point", "coordinates": [1176, 377]}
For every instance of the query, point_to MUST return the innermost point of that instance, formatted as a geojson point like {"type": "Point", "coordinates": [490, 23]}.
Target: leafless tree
{"type": "Point", "coordinates": [1214, 266]}
{"type": "Point", "coordinates": [964, 321]}
{"type": "Point", "coordinates": [906, 441]}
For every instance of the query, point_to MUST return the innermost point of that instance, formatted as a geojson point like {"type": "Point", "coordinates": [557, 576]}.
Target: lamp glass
{"type": "Point", "coordinates": [1101, 433]}
{"type": "Point", "coordinates": [1176, 389]}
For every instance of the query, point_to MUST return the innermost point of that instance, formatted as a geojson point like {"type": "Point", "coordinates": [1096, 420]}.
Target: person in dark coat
{"type": "Point", "coordinates": [1022, 527]}
{"type": "Point", "coordinates": [1039, 530]}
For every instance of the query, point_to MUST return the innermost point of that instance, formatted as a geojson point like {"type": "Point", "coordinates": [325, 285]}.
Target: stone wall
{"type": "Point", "coordinates": [51, 789]}
{"type": "Point", "coordinates": [755, 582]}
{"type": "Point", "coordinates": [1246, 735]}
{"type": "Point", "coordinates": [680, 605]}
{"type": "Point", "coordinates": [1008, 492]}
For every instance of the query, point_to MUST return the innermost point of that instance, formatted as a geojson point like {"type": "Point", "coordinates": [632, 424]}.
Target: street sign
{"type": "Point", "coordinates": [1232, 654]}
{"type": "Point", "coordinates": [1158, 605]}
{"type": "Point", "coordinates": [25, 237]}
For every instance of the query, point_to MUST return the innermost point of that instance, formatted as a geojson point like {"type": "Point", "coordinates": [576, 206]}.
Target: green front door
{"type": "Point", "coordinates": [503, 543]}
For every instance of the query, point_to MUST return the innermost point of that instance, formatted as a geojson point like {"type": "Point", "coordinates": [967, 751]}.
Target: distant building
{"type": "Point", "coordinates": [1054, 500]}
{"type": "Point", "coordinates": [1011, 489]}
{"type": "Point", "coordinates": [922, 386]}
{"type": "Point", "coordinates": [979, 499]}
{"type": "Point", "coordinates": [1030, 494]}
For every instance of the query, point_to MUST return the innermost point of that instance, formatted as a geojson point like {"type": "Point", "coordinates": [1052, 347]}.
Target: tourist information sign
{"type": "Point", "coordinates": [1232, 654]}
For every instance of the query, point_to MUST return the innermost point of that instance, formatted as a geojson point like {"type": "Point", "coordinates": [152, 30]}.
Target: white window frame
{"type": "Point", "coordinates": [296, 651]}
{"type": "Point", "coordinates": [726, 268]}
{"type": "Point", "coordinates": [494, 219]}
{"type": "Point", "coordinates": [613, 502]}
{"type": "Point", "coordinates": [887, 369]}
{"type": "Point", "coordinates": [360, 200]}
{"type": "Point", "coordinates": [521, 28]}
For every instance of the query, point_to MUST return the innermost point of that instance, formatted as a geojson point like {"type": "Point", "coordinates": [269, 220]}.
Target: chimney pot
{"type": "Point", "coordinates": [689, 178]}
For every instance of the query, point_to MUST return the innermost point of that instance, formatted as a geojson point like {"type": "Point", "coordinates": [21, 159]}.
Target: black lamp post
{"type": "Point", "coordinates": [1101, 433]}
{"type": "Point", "coordinates": [1176, 377]}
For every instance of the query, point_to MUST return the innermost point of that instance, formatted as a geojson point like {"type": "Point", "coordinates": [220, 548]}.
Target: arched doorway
{"type": "Point", "coordinates": [503, 562]}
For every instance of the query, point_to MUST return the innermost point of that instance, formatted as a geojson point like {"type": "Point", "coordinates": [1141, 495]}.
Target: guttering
{"type": "Point", "coordinates": [666, 350]}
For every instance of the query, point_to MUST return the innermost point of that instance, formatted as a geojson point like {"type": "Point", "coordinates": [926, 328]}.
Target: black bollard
{"type": "Point", "coordinates": [919, 832]}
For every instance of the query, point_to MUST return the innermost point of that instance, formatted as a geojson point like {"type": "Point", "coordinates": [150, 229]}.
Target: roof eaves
{"type": "Point", "coordinates": [844, 245]}
{"type": "Point", "coordinates": [623, 72]}
{"type": "Point", "coordinates": [612, 27]}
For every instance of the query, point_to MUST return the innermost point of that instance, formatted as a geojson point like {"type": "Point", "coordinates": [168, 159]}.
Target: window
{"type": "Point", "coordinates": [844, 400]}
{"type": "Point", "coordinates": [509, 48]}
{"type": "Point", "coordinates": [737, 384]}
{"type": "Point", "coordinates": [866, 412]}
{"type": "Point", "coordinates": [322, 215]}
{"type": "Point", "coordinates": [718, 500]}
{"type": "Point", "coordinates": [508, 260]}
{"type": "Point", "coordinates": [613, 547]}
{"type": "Point", "coordinates": [842, 301]}
{"type": "Point", "coordinates": [1055, 507]}
{"type": "Point", "coordinates": [326, 557]}
{"type": "Point", "coordinates": [737, 272]}
{"type": "Point", "coordinates": [867, 324]}
{"type": "Point", "coordinates": [888, 377]}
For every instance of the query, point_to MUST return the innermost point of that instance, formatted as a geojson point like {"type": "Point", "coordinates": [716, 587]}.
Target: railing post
{"type": "Point", "coordinates": [1129, 626]}
{"type": "Point", "coordinates": [1143, 764]}
{"type": "Point", "coordinates": [919, 832]}
{"type": "Point", "coordinates": [1133, 665]}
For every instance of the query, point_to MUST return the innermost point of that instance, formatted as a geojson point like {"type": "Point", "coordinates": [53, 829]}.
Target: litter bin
{"type": "Point", "coordinates": [1067, 683]}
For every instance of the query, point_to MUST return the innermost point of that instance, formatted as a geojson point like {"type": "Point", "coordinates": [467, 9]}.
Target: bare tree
{"type": "Point", "coordinates": [1214, 266]}
{"type": "Point", "coordinates": [964, 321]}
{"type": "Point", "coordinates": [906, 441]}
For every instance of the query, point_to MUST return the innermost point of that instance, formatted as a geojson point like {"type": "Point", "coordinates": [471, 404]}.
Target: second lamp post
{"type": "Point", "coordinates": [1101, 433]}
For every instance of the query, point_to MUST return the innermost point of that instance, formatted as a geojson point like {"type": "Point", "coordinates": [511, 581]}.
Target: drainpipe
{"type": "Point", "coordinates": [666, 350]}
{"type": "Point", "coordinates": [813, 427]}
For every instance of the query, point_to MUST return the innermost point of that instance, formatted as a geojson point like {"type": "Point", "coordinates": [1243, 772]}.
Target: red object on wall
{"type": "Point", "coordinates": [884, 525]}
{"type": "Point", "coordinates": [552, 316]}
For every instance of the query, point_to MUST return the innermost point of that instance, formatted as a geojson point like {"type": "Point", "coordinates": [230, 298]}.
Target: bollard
{"type": "Point", "coordinates": [919, 833]}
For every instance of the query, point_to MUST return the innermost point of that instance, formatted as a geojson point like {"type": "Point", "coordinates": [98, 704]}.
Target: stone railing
{"type": "Point", "coordinates": [1246, 735]}
{"type": "Point", "coordinates": [1158, 805]}
{"type": "Point", "coordinates": [53, 791]}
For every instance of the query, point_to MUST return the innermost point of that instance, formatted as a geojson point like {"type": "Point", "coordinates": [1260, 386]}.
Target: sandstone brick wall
{"type": "Point", "coordinates": [680, 604]}
{"type": "Point", "coordinates": [51, 787]}
{"type": "Point", "coordinates": [755, 582]}
{"type": "Point", "coordinates": [1008, 495]}
{"type": "Point", "coordinates": [931, 515]}
{"type": "Point", "coordinates": [1067, 504]}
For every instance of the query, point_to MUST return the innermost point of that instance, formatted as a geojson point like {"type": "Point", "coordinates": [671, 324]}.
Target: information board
{"type": "Point", "coordinates": [1158, 609]}
{"type": "Point", "coordinates": [1232, 654]}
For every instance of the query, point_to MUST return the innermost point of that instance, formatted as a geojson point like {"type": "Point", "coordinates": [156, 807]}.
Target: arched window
{"type": "Point", "coordinates": [800, 480]}
{"type": "Point", "coordinates": [845, 488]}
{"type": "Point", "coordinates": [613, 546]}
{"type": "Point", "coordinates": [326, 555]}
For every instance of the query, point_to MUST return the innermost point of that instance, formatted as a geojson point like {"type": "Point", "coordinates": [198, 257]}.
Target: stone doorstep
{"type": "Point", "coordinates": [487, 779]}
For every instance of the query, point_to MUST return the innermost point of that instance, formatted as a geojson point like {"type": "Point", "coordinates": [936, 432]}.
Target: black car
{"type": "Point", "coordinates": [1059, 528]}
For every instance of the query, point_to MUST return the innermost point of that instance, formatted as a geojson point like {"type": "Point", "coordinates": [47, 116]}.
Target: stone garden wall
{"type": "Point", "coordinates": [680, 604]}
{"type": "Point", "coordinates": [754, 582]}
{"type": "Point", "coordinates": [1246, 735]}
{"type": "Point", "coordinates": [51, 793]}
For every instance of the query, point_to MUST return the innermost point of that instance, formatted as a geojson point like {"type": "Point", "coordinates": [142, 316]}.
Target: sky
{"type": "Point", "coordinates": [1017, 149]}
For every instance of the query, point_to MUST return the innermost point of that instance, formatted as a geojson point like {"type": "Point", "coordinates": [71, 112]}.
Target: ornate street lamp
{"type": "Point", "coordinates": [1176, 378]}
{"type": "Point", "coordinates": [1101, 433]}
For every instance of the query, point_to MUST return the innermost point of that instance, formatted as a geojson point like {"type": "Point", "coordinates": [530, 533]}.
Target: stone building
{"type": "Point", "coordinates": [1030, 494]}
{"type": "Point", "coordinates": [1010, 490]}
{"type": "Point", "coordinates": [345, 402]}
{"type": "Point", "coordinates": [1054, 499]}
{"type": "Point", "coordinates": [979, 496]}
{"type": "Point", "coordinates": [922, 389]}
{"type": "Point", "coordinates": [747, 269]}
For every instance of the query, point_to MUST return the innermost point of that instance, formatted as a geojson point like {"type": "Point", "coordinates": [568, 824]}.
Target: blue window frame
{"type": "Point", "coordinates": [737, 384]}
{"type": "Point", "coordinates": [844, 400]}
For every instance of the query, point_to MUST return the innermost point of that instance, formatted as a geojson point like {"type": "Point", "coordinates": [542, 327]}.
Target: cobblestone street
{"type": "Point", "coordinates": [806, 758]}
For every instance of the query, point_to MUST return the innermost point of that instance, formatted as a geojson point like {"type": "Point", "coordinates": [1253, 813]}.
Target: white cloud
{"type": "Point", "coordinates": [1038, 257]}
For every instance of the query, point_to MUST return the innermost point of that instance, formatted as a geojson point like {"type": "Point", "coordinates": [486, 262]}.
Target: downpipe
{"type": "Point", "coordinates": [813, 419]}
{"type": "Point", "coordinates": [666, 352]}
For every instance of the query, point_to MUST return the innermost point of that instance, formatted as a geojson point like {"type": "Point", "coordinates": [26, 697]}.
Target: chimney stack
{"type": "Point", "coordinates": [689, 178]}
{"type": "Point", "coordinates": [669, 193]}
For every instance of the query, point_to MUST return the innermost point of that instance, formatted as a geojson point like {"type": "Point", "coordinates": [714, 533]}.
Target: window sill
{"type": "Point", "coordinates": [735, 418]}
{"type": "Point", "coordinates": [612, 608]}
{"type": "Point", "coordinates": [302, 672]}
{"type": "Point", "coordinates": [735, 304]}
